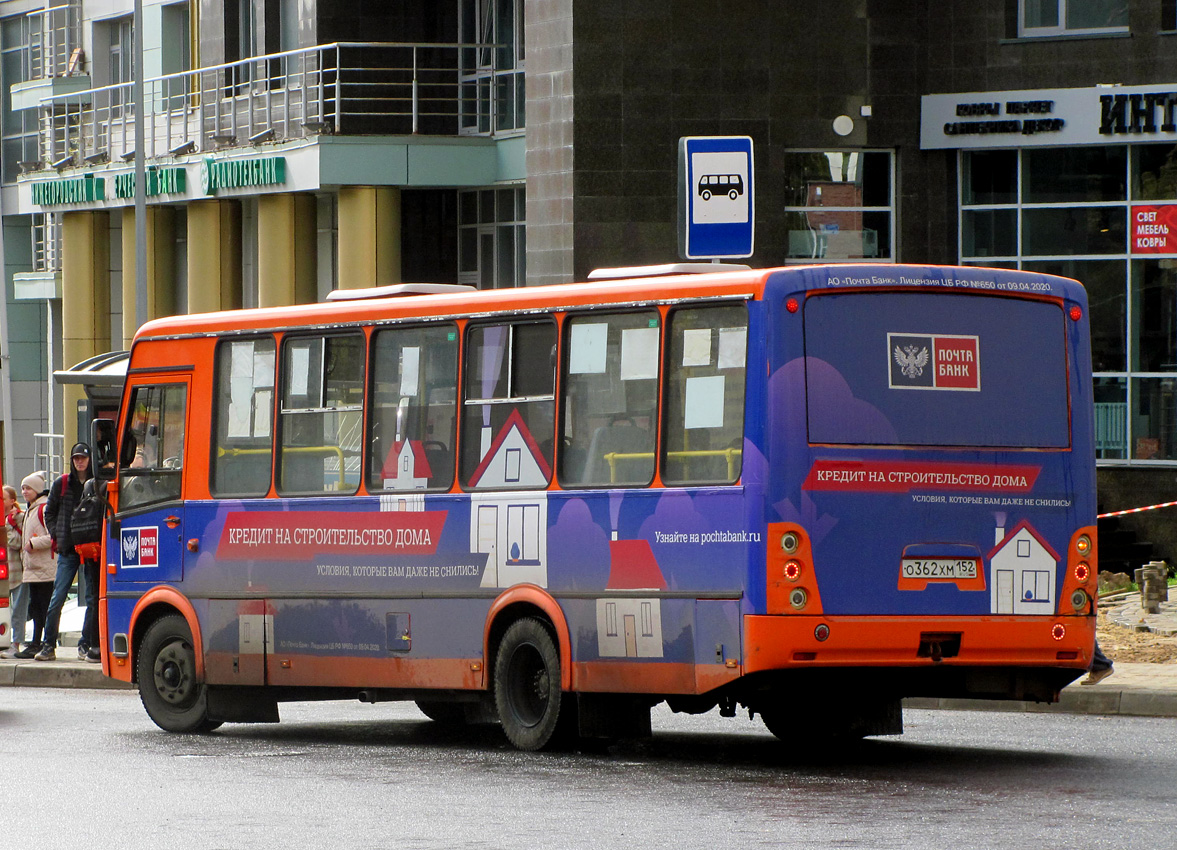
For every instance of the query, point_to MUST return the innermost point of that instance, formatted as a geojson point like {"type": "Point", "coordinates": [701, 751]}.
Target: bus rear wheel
{"type": "Point", "coordinates": [527, 685]}
{"type": "Point", "coordinates": [168, 687]}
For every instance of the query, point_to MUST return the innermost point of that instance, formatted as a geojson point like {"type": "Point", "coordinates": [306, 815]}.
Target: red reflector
{"type": "Point", "coordinates": [804, 656]}
{"type": "Point", "coordinates": [3, 604]}
{"type": "Point", "coordinates": [1076, 313]}
{"type": "Point", "coordinates": [792, 306]}
{"type": "Point", "coordinates": [1065, 655]}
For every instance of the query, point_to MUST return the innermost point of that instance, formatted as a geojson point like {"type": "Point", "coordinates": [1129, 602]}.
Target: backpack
{"type": "Point", "coordinates": [85, 523]}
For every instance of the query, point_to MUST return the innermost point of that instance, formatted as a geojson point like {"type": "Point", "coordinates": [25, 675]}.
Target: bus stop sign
{"type": "Point", "coordinates": [716, 212]}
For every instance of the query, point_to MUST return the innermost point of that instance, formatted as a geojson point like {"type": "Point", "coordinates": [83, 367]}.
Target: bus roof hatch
{"type": "Point", "coordinates": [397, 289]}
{"type": "Point", "coordinates": [665, 269]}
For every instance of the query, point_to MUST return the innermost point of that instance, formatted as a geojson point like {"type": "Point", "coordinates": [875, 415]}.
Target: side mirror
{"type": "Point", "coordinates": [102, 441]}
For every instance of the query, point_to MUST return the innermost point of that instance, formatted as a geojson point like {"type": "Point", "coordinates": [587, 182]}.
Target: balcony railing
{"type": "Point", "coordinates": [344, 88]}
{"type": "Point", "coordinates": [55, 40]}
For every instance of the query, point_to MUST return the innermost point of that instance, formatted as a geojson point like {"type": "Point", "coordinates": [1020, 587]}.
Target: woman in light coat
{"type": "Point", "coordinates": [18, 593]}
{"type": "Point", "coordinates": [40, 567]}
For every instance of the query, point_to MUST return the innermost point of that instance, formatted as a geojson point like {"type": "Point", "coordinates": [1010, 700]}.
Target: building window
{"type": "Point", "coordinates": [17, 127]}
{"type": "Point", "coordinates": [839, 206]}
{"type": "Point", "coordinates": [492, 75]}
{"type": "Point", "coordinates": [1071, 17]}
{"type": "Point", "coordinates": [491, 237]}
{"type": "Point", "coordinates": [1084, 213]}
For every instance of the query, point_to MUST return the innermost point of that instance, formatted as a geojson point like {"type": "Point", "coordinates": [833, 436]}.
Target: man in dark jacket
{"type": "Point", "coordinates": [64, 496]}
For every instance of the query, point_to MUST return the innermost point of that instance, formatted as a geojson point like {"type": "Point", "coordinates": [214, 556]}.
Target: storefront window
{"type": "Point", "coordinates": [1154, 316]}
{"type": "Point", "coordinates": [1073, 175]}
{"type": "Point", "coordinates": [1101, 215]}
{"type": "Point", "coordinates": [1111, 419]}
{"type": "Point", "coordinates": [1066, 231]}
{"type": "Point", "coordinates": [990, 177]}
{"type": "Point", "coordinates": [1154, 419]}
{"type": "Point", "coordinates": [839, 205]}
{"type": "Point", "coordinates": [1154, 172]}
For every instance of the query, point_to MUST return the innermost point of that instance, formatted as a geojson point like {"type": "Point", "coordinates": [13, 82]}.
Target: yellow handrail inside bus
{"type": "Point", "coordinates": [335, 450]}
{"type": "Point", "coordinates": [729, 454]}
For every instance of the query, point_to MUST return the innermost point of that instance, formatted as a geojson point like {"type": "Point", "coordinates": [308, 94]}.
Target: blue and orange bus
{"type": "Point", "coordinates": [809, 491]}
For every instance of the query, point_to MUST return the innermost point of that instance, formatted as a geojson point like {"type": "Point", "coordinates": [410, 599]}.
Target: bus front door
{"type": "Point", "coordinates": [151, 472]}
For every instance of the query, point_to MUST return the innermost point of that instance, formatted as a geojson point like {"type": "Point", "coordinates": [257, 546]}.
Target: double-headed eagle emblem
{"type": "Point", "coordinates": [911, 359]}
{"type": "Point", "coordinates": [130, 548]}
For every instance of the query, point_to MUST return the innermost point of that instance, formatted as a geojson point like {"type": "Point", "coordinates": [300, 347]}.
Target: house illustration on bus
{"type": "Point", "coordinates": [631, 627]}
{"type": "Point", "coordinates": [511, 528]}
{"type": "Point", "coordinates": [1022, 567]}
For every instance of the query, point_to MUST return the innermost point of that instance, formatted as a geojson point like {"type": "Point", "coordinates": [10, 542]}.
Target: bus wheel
{"type": "Point", "coordinates": [446, 713]}
{"type": "Point", "coordinates": [733, 194]}
{"type": "Point", "coordinates": [527, 684]}
{"type": "Point", "coordinates": [167, 678]}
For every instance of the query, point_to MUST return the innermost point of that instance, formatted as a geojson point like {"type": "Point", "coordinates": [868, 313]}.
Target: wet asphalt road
{"type": "Point", "coordinates": [87, 769]}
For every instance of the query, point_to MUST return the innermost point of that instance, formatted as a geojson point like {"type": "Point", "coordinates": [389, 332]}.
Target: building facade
{"type": "Point", "coordinates": [297, 146]}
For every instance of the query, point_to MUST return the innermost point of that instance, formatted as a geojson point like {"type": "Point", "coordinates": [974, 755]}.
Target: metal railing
{"type": "Point", "coordinates": [46, 242]}
{"type": "Point", "coordinates": [55, 40]}
{"type": "Point", "coordinates": [343, 88]}
{"type": "Point", "coordinates": [48, 455]}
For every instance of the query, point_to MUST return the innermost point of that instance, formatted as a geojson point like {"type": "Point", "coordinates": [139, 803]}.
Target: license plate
{"type": "Point", "coordinates": [934, 568]}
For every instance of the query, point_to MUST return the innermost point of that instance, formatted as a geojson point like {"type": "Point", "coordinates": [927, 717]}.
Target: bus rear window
{"type": "Point", "coordinates": [933, 369]}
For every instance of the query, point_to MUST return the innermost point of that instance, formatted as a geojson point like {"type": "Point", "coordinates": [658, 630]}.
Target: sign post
{"type": "Point", "coordinates": [716, 198]}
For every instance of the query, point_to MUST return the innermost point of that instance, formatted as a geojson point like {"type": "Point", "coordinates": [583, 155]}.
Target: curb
{"type": "Point", "coordinates": [1136, 702]}
{"type": "Point", "coordinates": [57, 674]}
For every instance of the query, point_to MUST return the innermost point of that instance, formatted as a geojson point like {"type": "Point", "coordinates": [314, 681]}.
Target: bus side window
{"type": "Point", "coordinates": [508, 406]}
{"type": "Point", "coordinates": [413, 408]}
{"type": "Point", "coordinates": [321, 415]}
{"type": "Point", "coordinates": [704, 435]}
{"type": "Point", "coordinates": [610, 405]}
{"type": "Point", "coordinates": [244, 435]}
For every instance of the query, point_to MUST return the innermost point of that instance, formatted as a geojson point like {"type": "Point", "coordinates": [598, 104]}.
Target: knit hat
{"type": "Point", "coordinates": [36, 482]}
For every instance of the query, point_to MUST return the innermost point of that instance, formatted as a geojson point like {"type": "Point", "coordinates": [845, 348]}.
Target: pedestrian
{"type": "Point", "coordinates": [64, 495]}
{"type": "Point", "coordinates": [18, 592]}
{"type": "Point", "coordinates": [1100, 669]}
{"type": "Point", "coordinates": [86, 528]}
{"type": "Point", "coordinates": [37, 554]}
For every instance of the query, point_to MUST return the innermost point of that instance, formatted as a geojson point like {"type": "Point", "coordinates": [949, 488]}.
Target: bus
{"type": "Point", "coordinates": [810, 491]}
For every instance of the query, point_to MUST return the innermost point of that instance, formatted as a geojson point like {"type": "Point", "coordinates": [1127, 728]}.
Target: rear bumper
{"type": "Point", "coordinates": [788, 642]}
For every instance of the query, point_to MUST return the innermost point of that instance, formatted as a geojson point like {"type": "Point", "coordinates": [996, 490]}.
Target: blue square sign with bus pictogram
{"type": "Point", "coordinates": [716, 199]}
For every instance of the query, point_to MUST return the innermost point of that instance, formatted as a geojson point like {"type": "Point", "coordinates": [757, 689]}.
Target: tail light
{"type": "Point", "coordinates": [1080, 583]}
{"type": "Point", "coordinates": [789, 574]}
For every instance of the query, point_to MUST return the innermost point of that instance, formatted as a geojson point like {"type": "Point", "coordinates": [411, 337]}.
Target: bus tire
{"type": "Point", "coordinates": [168, 688]}
{"type": "Point", "coordinates": [527, 685]}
